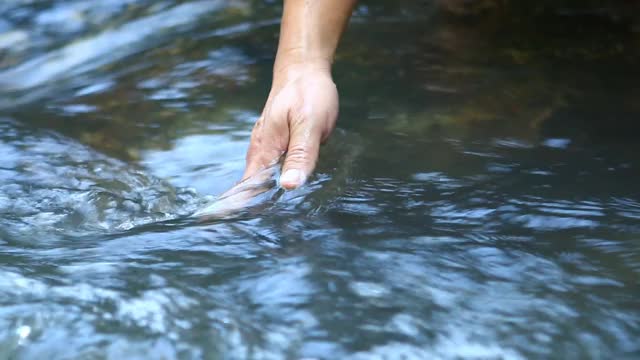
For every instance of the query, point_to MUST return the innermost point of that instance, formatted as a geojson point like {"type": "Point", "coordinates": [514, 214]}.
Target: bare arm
{"type": "Point", "coordinates": [310, 31]}
{"type": "Point", "coordinates": [302, 107]}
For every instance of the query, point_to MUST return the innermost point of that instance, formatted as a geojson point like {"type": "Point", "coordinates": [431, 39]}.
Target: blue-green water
{"type": "Point", "coordinates": [479, 199]}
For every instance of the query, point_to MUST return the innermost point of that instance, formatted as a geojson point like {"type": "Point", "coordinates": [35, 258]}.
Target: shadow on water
{"type": "Point", "coordinates": [479, 199]}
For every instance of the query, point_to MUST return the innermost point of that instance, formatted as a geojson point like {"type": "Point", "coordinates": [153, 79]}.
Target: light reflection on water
{"type": "Point", "coordinates": [422, 235]}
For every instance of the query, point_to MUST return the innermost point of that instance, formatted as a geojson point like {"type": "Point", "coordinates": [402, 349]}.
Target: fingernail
{"type": "Point", "coordinates": [292, 178]}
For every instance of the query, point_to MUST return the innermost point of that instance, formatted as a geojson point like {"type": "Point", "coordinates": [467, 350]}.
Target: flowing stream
{"type": "Point", "coordinates": [478, 200]}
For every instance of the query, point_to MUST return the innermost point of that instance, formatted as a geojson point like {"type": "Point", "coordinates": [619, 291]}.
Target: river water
{"type": "Point", "coordinates": [479, 199]}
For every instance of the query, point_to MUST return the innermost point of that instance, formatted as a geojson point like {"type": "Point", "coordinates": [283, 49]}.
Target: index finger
{"type": "Point", "coordinates": [267, 145]}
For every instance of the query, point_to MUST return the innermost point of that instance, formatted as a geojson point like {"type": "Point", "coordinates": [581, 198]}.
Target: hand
{"type": "Point", "coordinates": [299, 115]}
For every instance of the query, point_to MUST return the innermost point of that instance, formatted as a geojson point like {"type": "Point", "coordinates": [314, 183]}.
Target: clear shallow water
{"type": "Point", "coordinates": [479, 200]}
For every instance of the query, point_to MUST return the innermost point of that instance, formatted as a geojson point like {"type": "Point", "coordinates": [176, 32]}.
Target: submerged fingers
{"type": "Point", "coordinates": [241, 196]}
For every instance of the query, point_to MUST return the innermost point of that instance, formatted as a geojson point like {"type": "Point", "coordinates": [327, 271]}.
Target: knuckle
{"type": "Point", "coordinates": [258, 125]}
{"type": "Point", "coordinates": [299, 153]}
{"type": "Point", "coordinates": [297, 117]}
{"type": "Point", "coordinates": [255, 140]}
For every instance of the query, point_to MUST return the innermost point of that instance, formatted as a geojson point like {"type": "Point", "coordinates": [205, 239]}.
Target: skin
{"type": "Point", "coordinates": [302, 107]}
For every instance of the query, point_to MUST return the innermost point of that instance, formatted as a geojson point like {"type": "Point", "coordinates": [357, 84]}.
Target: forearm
{"type": "Point", "coordinates": [310, 32]}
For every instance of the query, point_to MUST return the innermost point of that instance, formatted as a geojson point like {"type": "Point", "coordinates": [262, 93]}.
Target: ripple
{"type": "Point", "coordinates": [484, 244]}
{"type": "Point", "coordinates": [62, 187]}
{"type": "Point", "coordinates": [91, 52]}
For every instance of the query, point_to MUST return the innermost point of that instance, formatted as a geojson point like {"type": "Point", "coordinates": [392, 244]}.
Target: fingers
{"type": "Point", "coordinates": [269, 140]}
{"type": "Point", "coordinates": [295, 121]}
{"type": "Point", "coordinates": [309, 126]}
{"type": "Point", "coordinates": [302, 154]}
{"type": "Point", "coordinates": [238, 197]}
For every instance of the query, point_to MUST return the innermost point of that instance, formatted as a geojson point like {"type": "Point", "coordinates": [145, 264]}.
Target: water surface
{"type": "Point", "coordinates": [478, 200]}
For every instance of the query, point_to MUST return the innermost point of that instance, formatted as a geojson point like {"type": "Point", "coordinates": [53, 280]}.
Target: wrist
{"type": "Point", "coordinates": [290, 64]}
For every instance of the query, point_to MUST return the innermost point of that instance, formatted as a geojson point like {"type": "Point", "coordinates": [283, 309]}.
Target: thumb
{"type": "Point", "coordinates": [302, 154]}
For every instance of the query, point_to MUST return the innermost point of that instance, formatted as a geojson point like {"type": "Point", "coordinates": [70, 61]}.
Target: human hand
{"type": "Point", "coordinates": [299, 115]}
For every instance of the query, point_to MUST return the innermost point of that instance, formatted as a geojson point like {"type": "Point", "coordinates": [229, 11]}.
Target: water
{"type": "Point", "coordinates": [479, 199]}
